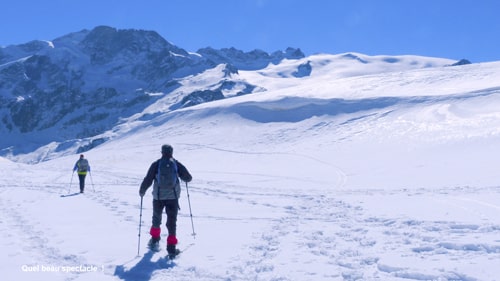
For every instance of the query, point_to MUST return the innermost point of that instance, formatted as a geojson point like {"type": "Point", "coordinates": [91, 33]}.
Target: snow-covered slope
{"type": "Point", "coordinates": [386, 173]}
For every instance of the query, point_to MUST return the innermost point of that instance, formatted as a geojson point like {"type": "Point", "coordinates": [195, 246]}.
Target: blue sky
{"type": "Point", "coordinates": [452, 29]}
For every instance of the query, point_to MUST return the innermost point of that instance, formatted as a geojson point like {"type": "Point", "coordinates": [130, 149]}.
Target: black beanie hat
{"type": "Point", "coordinates": [167, 149]}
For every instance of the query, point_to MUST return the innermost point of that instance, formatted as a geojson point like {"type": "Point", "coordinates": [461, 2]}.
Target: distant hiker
{"type": "Point", "coordinates": [165, 172]}
{"type": "Point", "coordinates": [82, 167]}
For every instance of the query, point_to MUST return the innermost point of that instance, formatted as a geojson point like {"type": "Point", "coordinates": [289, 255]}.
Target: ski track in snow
{"type": "Point", "coordinates": [349, 246]}
{"type": "Point", "coordinates": [346, 246]}
{"type": "Point", "coordinates": [301, 232]}
{"type": "Point", "coordinates": [350, 250]}
{"type": "Point", "coordinates": [35, 239]}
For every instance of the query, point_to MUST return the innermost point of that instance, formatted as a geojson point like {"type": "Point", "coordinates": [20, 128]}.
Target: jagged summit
{"type": "Point", "coordinates": [104, 43]}
{"type": "Point", "coordinates": [253, 60]}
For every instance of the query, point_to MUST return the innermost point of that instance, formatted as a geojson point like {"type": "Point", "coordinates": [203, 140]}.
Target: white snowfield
{"type": "Point", "coordinates": [372, 168]}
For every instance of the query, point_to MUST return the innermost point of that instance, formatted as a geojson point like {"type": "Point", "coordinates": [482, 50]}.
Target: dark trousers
{"type": "Point", "coordinates": [82, 181]}
{"type": "Point", "coordinates": [171, 207]}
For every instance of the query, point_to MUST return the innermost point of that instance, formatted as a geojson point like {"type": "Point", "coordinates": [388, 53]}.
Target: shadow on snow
{"type": "Point", "coordinates": [71, 194]}
{"type": "Point", "coordinates": [144, 269]}
{"type": "Point", "coordinates": [296, 109]}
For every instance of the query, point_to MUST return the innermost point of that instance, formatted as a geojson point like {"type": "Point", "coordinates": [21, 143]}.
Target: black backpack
{"type": "Point", "coordinates": [166, 177]}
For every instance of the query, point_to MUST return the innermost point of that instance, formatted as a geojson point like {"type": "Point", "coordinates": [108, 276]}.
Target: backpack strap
{"type": "Point", "coordinates": [158, 171]}
{"type": "Point", "coordinates": [158, 178]}
{"type": "Point", "coordinates": [176, 176]}
{"type": "Point", "coordinates": [177, 181]}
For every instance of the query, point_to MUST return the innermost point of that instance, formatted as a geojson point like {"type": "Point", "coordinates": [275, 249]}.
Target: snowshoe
{"type": "Point", "coordinates": [154, 245]}
{"type": "Point", "coordinates": [172, 251]}
{"type": "Point", "coordinates": [173, 255]}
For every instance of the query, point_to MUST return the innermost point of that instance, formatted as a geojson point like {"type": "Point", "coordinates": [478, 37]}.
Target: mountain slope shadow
{"type": "Point", "coordinates": [296, 109]}
{"type": "Point", "coordinates": [144, 269]}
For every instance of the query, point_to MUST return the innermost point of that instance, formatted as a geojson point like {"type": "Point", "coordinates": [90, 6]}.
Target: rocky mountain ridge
{"type": "Point", "coordinates": [84, 83]}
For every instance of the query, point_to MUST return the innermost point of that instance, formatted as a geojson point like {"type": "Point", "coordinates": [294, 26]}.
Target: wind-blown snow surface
{"type": "Point", "coordinates": [391, 175]}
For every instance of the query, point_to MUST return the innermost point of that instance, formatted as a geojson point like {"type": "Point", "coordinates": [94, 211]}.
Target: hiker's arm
{"type": "Point", "coordinates": [183, 172]}
{"type": "Point", "coordinates": [148, 179]}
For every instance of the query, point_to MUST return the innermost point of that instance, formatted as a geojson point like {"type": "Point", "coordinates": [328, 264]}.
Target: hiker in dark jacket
{"type": "Point", "coordinates": [81, 167]}
{"type": "Point", "coordinates": [165, 196]}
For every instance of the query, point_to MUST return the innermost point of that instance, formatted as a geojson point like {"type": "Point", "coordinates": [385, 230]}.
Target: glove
{"type": "Point", "coordinates": [141, 193]}
{"type": "Point", "coordinates": [188, 178]}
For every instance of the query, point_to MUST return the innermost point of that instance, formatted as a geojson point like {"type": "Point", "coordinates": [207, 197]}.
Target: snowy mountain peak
{"type": "Point", "coordinates": [82, 84]}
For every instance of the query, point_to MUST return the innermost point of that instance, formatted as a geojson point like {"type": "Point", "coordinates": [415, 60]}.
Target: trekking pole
{"type": "Point", "coordinates": [190, 213]}
{"type": "Point", "coordinates": [92, 180]}
{"type": "Point", "coordinates": [140, 224]}
{"type": "Point", "coordinates": [71, 181]}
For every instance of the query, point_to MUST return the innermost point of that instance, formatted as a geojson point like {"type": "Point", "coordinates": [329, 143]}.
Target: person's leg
{"type": "Point", "coordinates": [155, 230]}
{"type": "Point", "coordinates": [171, 208]}
{"type": "Point", "coordinates": [81, 178]}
